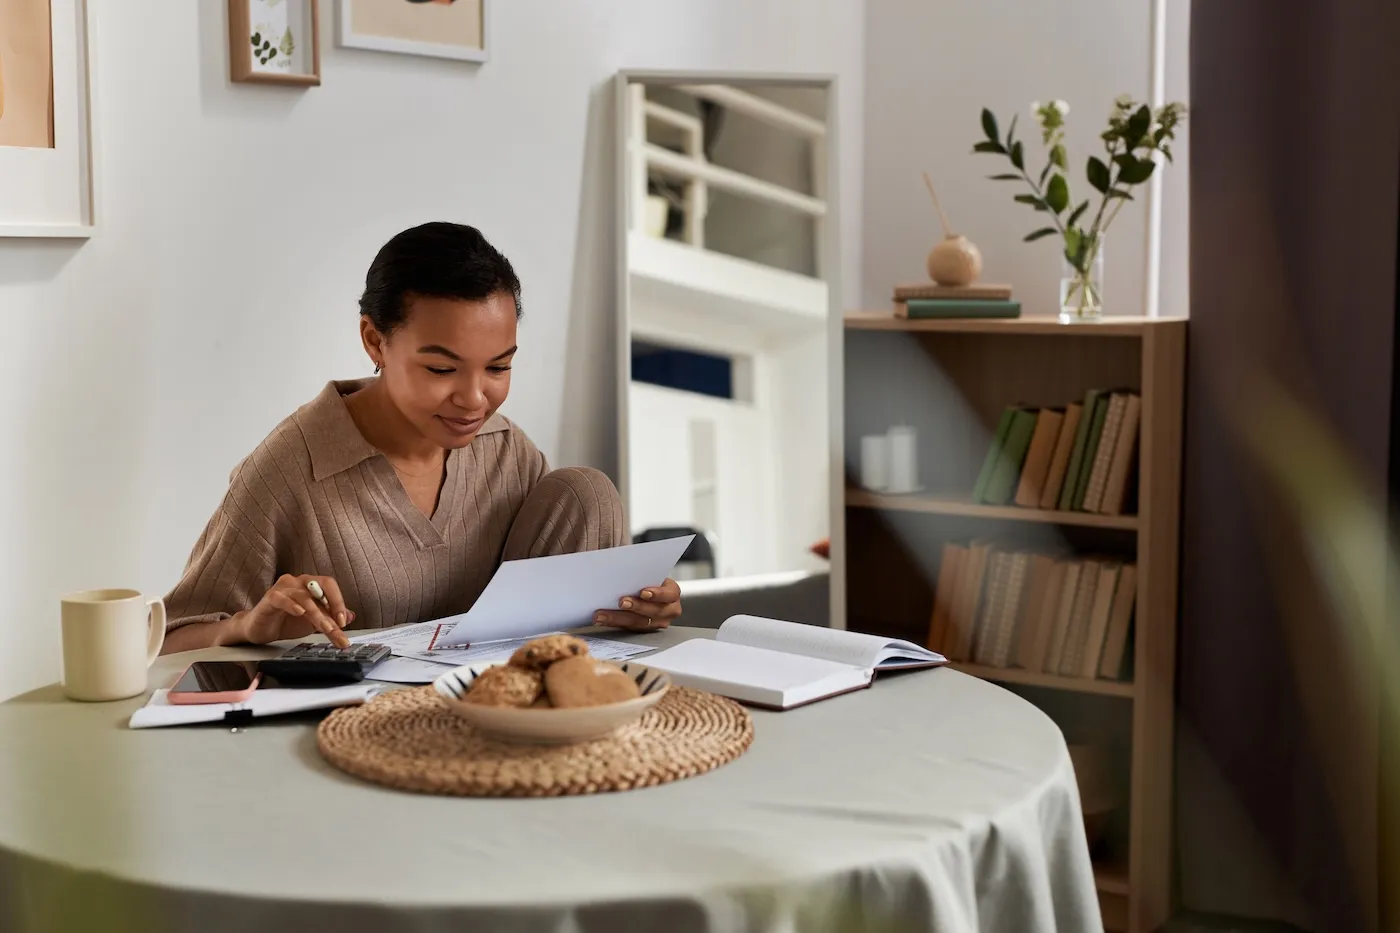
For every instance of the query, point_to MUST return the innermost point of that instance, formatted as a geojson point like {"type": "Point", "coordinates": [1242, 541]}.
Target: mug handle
{"type": "Point", "coordinates": [155, 637]}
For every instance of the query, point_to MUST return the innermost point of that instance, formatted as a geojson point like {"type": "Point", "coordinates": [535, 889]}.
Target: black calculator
{"type": "Point", "coordinates": [320, 665]}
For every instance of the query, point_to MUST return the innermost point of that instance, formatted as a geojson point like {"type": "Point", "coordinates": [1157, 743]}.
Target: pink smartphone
{"type": "Point", "coordinates": [216, 682]}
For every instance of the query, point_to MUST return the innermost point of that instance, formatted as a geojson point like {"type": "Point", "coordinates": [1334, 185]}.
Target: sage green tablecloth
{"type": "Point", "coordinates": [932, 801]}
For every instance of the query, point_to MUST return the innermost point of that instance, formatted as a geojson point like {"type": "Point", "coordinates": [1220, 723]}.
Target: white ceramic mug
{"type": "Point", "coordinates": [110, 639]}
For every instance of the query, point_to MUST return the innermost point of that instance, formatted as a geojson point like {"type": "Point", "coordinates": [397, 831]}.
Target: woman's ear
{"type": "Point", "coordinates": [373, 340]}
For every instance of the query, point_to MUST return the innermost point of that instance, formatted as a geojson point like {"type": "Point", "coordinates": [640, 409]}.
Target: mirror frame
{"type": "Point", "coordinates": [830, 257]}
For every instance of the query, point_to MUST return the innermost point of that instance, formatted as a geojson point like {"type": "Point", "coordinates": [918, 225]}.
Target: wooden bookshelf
{"type": "Point", "coordinates": [1038, 325]}
{"type": "Point", "coordinates": [947, 505]}
{"type": "Point", "coordinates": [1111, 879]}
{"type": "Point", "coordinates": [1015, 675]}
{"type": "Point", "coordinates": [950, 381]}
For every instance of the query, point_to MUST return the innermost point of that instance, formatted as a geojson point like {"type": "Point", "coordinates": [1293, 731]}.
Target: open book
{"type": "Point", "coordinates": [780, 665]}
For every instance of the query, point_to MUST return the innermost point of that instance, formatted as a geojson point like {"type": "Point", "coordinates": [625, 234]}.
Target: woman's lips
{"type": "Point", "coordinates": [462, 426]}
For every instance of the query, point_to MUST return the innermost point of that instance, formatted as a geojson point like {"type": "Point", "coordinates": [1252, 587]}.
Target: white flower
{"type": "Point", "coordinates": [1035, 108]}
{"type": "Point", "coordinates": [1061, 106]}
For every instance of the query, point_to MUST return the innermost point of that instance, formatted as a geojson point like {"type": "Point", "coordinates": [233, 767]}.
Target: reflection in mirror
{"type": "Point", "coordinates": [725, 331]}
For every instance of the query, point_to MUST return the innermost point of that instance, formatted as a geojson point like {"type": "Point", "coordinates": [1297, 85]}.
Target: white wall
{"type": "Point", "coordinates": [931, 67]}
{"type": "Point", "coordinates": [237, 225]}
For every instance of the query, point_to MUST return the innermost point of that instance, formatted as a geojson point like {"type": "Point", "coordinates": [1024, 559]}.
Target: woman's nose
{"type": "Point", "coordinates": [471, 396]}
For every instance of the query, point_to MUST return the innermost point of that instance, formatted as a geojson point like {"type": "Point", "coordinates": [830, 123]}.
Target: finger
{"type": "Point", "coordinates": [318, 618]}
{"type": "Point", "coordinates": [282, 601]}
{"type": "Point", "coordinates": [628, 620]}
{"type": "Point", "coordinates": [338, 611]}
{"type": "Point", "coordinates": [645, 609]}
{"type": "Point", "coordinates": [667, 592]}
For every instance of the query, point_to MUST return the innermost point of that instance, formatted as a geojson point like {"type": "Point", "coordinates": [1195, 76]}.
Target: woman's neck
{"type": "Point", "coordinates": [382, 424]}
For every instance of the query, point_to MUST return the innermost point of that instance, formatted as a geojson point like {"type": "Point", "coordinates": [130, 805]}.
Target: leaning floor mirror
{"type": "Point", "coordinates": [726, 209]}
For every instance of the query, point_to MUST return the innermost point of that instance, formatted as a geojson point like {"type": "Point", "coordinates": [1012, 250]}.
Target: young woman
{"type": "Point", "coordinates": [400, 494]}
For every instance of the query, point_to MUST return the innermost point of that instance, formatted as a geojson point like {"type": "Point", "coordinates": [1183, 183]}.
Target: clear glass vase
{"type": "Point", "coordinates": [1081, 291]}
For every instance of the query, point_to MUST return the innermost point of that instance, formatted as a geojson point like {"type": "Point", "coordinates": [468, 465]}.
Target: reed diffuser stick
{"type": "Point", "coordinates": [942, 217]}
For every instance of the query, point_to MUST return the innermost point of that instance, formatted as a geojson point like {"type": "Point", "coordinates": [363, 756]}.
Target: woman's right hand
{"type": "Point", "coordinates": [289, 611]}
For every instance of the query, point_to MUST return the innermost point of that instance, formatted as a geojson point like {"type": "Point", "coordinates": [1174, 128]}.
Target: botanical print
{"type": "Point", "coordinates": [438, 22]}
{"type": "Point", "coordinates": [26, 74]}
{"type": "Point", "coordinates": [272, 39]}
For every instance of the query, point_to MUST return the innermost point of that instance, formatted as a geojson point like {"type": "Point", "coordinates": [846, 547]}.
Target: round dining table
{"type": "Point", "coordinates": [932, 801]}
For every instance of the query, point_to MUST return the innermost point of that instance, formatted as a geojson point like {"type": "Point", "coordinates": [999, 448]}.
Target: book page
{"type": "Point", "coordinates": [756, 675]}
{"type": "Point", "coordinates": [855, 648]}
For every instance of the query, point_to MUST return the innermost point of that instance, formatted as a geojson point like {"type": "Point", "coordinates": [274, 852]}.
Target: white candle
{"type": "Point", "coordinates": [874, 462]}
{"type": "Point", "coordinates": [903, 473]}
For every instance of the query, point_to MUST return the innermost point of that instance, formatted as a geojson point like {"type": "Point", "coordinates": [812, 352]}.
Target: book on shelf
{"type": "Point", "coordinates": [1038, 457]}
{"type": "Point", "coordinates": [1080, 457]}
{"type": "Point", "coordinates": [931, 300]}
{"type": "Point", "coordinates": [936, 308]}
{"type": "Point", "coordinates": [781, 665]}
{"type": "Point", "coordinates": [974, 292]}
{"type": "Point", "coordinates": [1001, 470]}
{"type": "Point", "coordinates": [1059, 461]}
{"type": "Point", "coordinates": [1052, 614]}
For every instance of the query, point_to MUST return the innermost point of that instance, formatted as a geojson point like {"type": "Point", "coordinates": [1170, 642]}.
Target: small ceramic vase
{"type": "Point", "coordinates": [955, 260]}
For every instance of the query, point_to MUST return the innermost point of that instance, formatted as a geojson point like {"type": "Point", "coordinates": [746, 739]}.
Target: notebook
{"type": "Point", "coordinates": [272, 701]}
{"type": "Point", "coordinates": [781, 665]}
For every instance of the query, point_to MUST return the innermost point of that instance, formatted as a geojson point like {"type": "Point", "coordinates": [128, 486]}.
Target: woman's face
{"type": "Point", "coordinates": [447, 366]}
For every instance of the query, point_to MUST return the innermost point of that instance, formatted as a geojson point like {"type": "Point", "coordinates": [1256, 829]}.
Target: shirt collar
{"type": "Point", "coordinates": [332, 439]}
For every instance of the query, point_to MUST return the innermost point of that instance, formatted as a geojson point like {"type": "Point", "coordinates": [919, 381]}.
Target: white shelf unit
{"type": "Point", "coordinates": [723, 288]}
{"type": "Point", "coordinates": [650, 160]}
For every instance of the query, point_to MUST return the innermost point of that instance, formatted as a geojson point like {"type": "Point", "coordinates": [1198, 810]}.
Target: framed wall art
{"type": "Point", "coordinates": [47, 181]}
{"type": "Point", "coordinates": [274, 42]}
{"type": "Point", "coordinates": [436, 28]}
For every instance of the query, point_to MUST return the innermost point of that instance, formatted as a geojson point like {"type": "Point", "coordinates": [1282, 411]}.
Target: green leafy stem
{"type": "Point", "coordinates": [1135, 135]}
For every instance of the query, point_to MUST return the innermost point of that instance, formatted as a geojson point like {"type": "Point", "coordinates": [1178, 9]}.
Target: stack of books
{"type": "Point", "coordinates": [1070, 616]}
{"type": "Point", "coordinates": [1082, 457]}
{"type": "Point", "coordinates": [931, 300]}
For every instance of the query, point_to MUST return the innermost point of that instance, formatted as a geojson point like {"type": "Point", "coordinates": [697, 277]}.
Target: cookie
{"type": "Point", "coordinates": [587, 681]}
{"type": "Point", "coordinates": [503, 685]}
{"type": "Point", "coordinates": [539, 653]}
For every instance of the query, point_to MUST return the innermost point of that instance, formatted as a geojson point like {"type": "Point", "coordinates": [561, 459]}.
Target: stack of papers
{"type": "Point", "coordinates": [528, 599]}
{"type": "Point", "coordinates": [416, 661]}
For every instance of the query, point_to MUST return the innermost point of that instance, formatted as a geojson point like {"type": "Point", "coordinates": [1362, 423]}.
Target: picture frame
{"type": "Point", "coordinates": [48, 138]}
{"type": "Point", "coordinates": [453, 29]}
{"type": "Point", "coordinates": [275, 42]}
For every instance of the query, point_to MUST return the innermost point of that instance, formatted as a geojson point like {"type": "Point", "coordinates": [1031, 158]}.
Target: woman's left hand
{"type": "Point", "coordinates": [651, 609]}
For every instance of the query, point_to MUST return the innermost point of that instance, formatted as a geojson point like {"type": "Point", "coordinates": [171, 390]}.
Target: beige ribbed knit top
{"type": "Point", "coordinates": [315, 497]}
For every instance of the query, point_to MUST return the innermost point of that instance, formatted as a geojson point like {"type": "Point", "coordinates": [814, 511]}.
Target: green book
{"type": "Point", "coordinates": [1007, 474]}
{"type": "Point", "coordinates": [961, 307]}
{"type": "Point", "coordinates": [1091, 449]}
{"type": "Point", "coordinates": [990, 461]}
{"type": "Point", "coordinates": [1076, 456]}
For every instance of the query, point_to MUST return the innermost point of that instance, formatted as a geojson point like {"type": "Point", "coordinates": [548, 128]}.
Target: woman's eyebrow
{"type": "Point", "coordinates": [440, 351]}
{"type": "Point", "coordinates": [443, 351]}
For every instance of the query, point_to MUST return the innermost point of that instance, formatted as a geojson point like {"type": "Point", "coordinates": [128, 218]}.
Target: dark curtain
{"type": "Point", "coordinates": [1295, 151]}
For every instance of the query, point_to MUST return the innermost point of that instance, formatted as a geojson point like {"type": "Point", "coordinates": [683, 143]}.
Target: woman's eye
{"type": "Point", "coordinates": [440, 371]}
{"type": "Point", "coordinates": [500, 369]}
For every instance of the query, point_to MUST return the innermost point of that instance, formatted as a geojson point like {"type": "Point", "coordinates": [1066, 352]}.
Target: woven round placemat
{"type": "Point", "coordinates": [408, 739]}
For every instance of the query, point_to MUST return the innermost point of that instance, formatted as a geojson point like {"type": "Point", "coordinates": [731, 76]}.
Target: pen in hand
{"type": "Point", "coordinates": [317, 593]}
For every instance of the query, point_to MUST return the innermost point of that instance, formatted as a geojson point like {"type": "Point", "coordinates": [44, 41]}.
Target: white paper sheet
{"type": "Point", "coordinates": [544, 594]}
{"type": "Point", "coordinates": [413, 637]}
{"type": "Point", "coordinates": [397, 670]}
{"type": "Point", "coordinates": [603, 648]}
